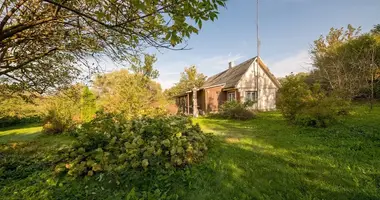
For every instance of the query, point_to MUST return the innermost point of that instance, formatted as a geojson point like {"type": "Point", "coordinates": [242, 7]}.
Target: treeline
{"type": "Point", "coordinates": [120, 92]}
{"type": "Point", "coordinates": [346, 67]}
{"type": "Point", "coordinates": [347, 62]}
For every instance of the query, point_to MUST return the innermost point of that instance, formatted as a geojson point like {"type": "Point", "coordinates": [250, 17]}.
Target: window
{"type": "Point", "coordinates": [251, 96]}
{"type": "Point", "coordinates": [231, 96]}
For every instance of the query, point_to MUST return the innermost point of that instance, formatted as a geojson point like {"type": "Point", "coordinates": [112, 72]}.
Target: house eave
{"type": "Point", "coordinates": [212, 86]}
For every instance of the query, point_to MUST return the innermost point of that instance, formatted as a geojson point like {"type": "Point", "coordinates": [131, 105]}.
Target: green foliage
{"type": "Point", "coordinates": [122, 30]}
{"type": "Point", "coordinates": [322, 112]}
{"type": "Point", "coordinates": [69, 108]}
{"type": "Point", "coordinates": [346, 61]}
{"type": "Point", "coordinates": [131, 95]}
{"type": "Point", "coordinates": [63, 110]}
{"type": "Point", "coordinates": [146, 69]}
{"type": "Point", "coordinates": [111, 144]}
{"type": "Point", "coordinates": [292, 96]}
{"type": "Point", "coordinates": [189, 79]}
{"type": "Point", "coordinates": [18, 109]}
{"type": "Point", "coordinates": [236, 110]}
{"type": "Point", "coordinates": [376, 29]}
{"type": "Point", "coordinates": [88, 105]}
{"type": "Point", "coordinates": [288, 162]}
{"type": "Point", "coordinates": [308, 105]}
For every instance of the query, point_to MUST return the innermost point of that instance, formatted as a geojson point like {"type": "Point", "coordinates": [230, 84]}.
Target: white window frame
{"type": "Point", "coordinates": [251, 95]}
{"type": "Point", "coordinates": [231, 96]}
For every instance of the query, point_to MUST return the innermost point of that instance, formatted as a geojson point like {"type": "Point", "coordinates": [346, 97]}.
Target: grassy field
{"type": "Point", "coordinates": [264, 158]}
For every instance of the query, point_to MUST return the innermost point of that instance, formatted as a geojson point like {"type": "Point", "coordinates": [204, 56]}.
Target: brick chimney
{"type": "Point", "coordinates": [231, 64]}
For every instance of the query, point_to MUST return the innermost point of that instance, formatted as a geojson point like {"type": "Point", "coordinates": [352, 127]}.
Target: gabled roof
{"type": "Point", "coordinates": [270, 75]}
{"type": "Point", "coordinates": [229, 77]}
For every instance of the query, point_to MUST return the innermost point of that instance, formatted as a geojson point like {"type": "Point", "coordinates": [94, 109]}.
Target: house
{"type": "Point", "coordinates": [236, 83]}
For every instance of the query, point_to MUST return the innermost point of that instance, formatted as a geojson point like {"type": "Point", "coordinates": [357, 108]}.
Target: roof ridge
{"type": "Point", "coordinates": [229, 76]}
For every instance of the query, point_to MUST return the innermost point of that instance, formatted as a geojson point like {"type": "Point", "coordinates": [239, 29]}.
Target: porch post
{"type": "Point", "coordinates": [195, 103]}
{"type": "Point", "coordinates": [188, 103]}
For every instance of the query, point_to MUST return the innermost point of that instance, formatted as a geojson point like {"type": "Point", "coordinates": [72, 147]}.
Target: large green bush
{"type": "Point", "coordinates": [309, 105]}
{"type": "Point", "coordinates": [236, 110]}
{"type": "Point", "coordinates": [111, 144]}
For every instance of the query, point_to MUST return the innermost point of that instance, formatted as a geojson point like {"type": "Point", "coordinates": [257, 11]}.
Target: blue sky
{"type": "Point", "coordinates": [287, 30]}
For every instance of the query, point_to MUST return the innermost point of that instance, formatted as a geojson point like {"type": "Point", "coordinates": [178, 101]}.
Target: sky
{"type": "Point", "coordinates": [287, 31]}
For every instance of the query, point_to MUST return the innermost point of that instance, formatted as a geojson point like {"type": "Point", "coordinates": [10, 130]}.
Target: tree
{"type": "Point", "coordinates": [63, 110]}
{"type": "Point", "coordinates": [131, 95]}
{"type": "Point", "coordinates": [88, 105]}
{"type": "Point", "coordinates": [308, 104]}
{"type": "Point", "coordinates": [376, 29]}
{"type": "Point", "coordinates": [146, 69]}
{"type": "Point", "coordinates": [347, 61]}
{"type": "Point", "coordinates": [190, 79]}
{"type": "Point", "coordinates": [46, 43]}
{"type": "Point", "coordinates": [18, 108]}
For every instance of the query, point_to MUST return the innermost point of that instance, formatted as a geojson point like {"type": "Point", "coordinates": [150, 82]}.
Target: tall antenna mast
{"type": "Point", "coordinates": [257, 29]}
{"type": "Point", "coordinates": [258, 54]}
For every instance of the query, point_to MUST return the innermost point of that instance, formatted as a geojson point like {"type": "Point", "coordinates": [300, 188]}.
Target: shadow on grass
{"type": "Point", "coordinates": [16, 137]}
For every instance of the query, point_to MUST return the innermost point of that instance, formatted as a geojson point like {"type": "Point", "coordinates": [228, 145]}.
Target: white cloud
{"type": "Point", "coordinates": [218, 62]}
{"type": "Point", "coordinates": [300, 62]}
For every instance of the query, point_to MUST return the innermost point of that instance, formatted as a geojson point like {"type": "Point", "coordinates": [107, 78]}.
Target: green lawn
{"type": "Point", "coordinates": [264, 158]}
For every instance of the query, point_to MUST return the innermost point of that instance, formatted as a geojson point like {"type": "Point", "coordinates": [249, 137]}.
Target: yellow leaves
{"type": "Point", "coordinates": [145, 163]}
{"type": "Point", "coordinates": [90, 173]}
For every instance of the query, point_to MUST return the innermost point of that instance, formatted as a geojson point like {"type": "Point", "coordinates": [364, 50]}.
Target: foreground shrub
{"type": "Point", "coordinates": [236, 110]}
{"type": "Point", "coordinates": [308, 105]}
{"type": "Point", "coordinates": [111, 144]}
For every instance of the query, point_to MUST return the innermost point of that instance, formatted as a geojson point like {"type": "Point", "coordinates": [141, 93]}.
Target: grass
{"type": "Point", "coordinates": [20, 133]}
{"type": "Point", "coordinates": [264, 158]}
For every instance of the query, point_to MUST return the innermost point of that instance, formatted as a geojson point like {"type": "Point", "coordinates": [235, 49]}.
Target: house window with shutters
{"type": "Point", "coordinates": [231, 96]}
{"type": "Point", "coordinates": [251, 96]}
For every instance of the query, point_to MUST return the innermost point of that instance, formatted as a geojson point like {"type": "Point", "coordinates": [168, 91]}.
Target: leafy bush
{"type": "Point", "coordinates": [236, 110]}
{"type": "Point", "coordinates": [59, 120]}
{"type": "Point", "coordinates": [111, 144]}
{"type": "Point", "coordinates": [69, 108]}
{"type": "Point", "coordinates": [308, 105]}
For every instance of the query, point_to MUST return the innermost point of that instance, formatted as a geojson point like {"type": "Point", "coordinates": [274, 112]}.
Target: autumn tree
{"type": "Point", "coordinates": [87, 105]}
{"type": "Point", "coordinates": [346, 61]}
{"type": "Point", "coordinates": [189, 80]}
{"type": "Point", "coordinates": [129, 94]}
{"type": "Point", "coordinates": [47, 43]}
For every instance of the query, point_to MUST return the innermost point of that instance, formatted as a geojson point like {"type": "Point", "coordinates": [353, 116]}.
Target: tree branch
{"type": "Point", "coordinates": [10, 13]}
{"type": "Point", "coordinates": [10, 69]}
{"type": "Point", "coordinates": [21, 27]}
{"type": "Point", "coordinates": [77, 12]}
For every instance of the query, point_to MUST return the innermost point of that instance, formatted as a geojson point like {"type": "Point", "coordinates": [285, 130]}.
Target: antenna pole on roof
{"type": "Point", "coordinates": [258, 54]}
{"type": "Point", "coordinates": [257, 29]}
